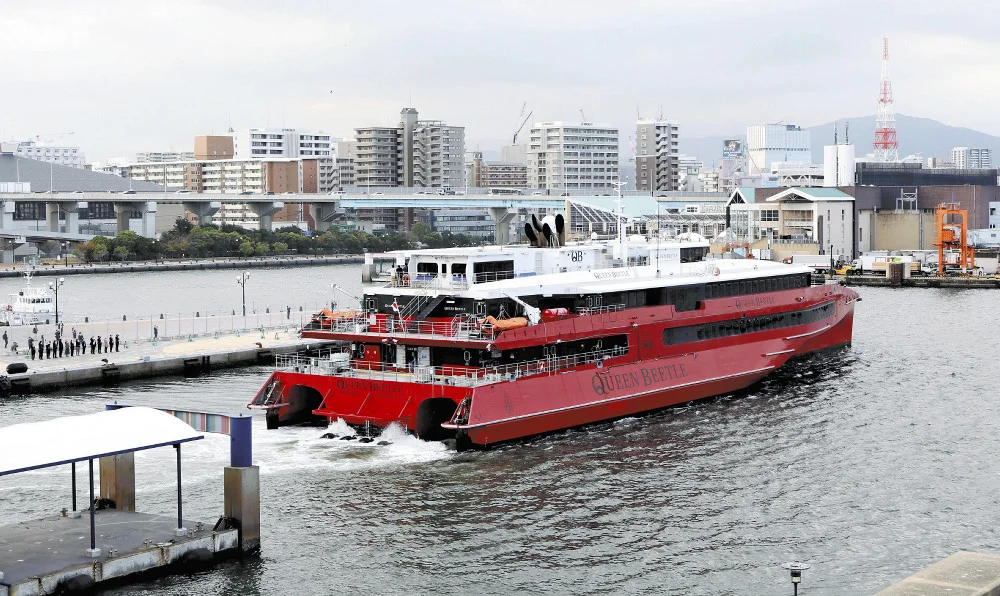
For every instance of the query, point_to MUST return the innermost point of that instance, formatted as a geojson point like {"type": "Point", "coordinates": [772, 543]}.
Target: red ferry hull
{"type": "Point", "coordinates": [541, 405]}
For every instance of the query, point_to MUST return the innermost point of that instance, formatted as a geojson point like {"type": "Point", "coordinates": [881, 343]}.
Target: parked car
{"type": "Point", "coordinates": [536, 193]}
{"type": "Point", "coordinates": [182, 192]}
{"type": "Point", "coordinates": [287, 193]}
{"type": "Point", "coordinates": [419, 192]}
{"type": "Point", "coordinates": [128, 192]}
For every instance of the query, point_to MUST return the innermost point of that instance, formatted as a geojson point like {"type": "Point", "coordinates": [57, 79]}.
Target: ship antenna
{"type": "Point", "coordinates": [657, 238]}
{"type": "Point", "coordinates": [623, 247]}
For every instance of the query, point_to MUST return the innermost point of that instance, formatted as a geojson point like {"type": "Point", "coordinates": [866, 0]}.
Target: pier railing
{"type": "Point", "coordinates": [338, 363]}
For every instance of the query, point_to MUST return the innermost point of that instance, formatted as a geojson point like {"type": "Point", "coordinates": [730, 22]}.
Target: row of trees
{"type": "Point", "coordinates": [189, 240]}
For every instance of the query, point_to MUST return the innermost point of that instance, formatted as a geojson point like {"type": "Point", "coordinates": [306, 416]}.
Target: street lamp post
{"type": "Point", "coordinates": [65, 256]}
{"type": "Point", "coordinates": [242, 280]}
{"type": "Point", "coordinates": [54, 286]}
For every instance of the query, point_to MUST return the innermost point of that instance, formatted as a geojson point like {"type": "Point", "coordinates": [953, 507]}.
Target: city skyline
{"type": "Point", "coordinates": [141, 79]}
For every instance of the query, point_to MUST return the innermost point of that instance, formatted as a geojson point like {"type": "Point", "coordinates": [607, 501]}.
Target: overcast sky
{"type": "Point", "coordinates": [143, 76]}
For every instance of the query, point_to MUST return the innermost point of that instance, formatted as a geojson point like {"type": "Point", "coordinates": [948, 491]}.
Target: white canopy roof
{"type": "Point", "coordinates": [69, 439]}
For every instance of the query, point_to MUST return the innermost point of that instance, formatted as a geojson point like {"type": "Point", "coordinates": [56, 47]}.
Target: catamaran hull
{"type": "Point", "coordinates": [536, 406]}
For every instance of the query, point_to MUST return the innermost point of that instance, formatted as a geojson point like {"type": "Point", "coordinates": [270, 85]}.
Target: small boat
{"type": "Point", "coordinates": [30, 305]}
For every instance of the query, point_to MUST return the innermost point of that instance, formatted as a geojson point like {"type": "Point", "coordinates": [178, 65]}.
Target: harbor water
{"type": "Point", "coordinates": [868, 464]}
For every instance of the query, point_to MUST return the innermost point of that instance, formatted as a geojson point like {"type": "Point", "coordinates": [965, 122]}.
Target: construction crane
{"type": "Point", "coordinates": [50, 137]}
{"type": "Point", "coordinates": [523, 122]}
{"type": "Point", "coordinates": [582, 116]}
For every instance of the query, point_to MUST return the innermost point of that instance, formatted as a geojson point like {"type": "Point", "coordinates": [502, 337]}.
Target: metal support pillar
{"type": "Point", "coordinates": [93, 551]}
{"type": "Point", "coordinates": [502, 217]}
{"type": "Point", "coordinates": [242, 483]}
{"type": "Point", "coordinates": [322, 214]}
{"type": "Point", "coordinates": [73, 467]}
{"type": "Point", "coordinates": [118, 480]}
{"type": "Point", "coordinates": [181, 530]}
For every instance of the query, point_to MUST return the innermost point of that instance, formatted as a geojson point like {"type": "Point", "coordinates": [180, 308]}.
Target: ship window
{"type": "Point", "coordinates": [458, 268]}
{"type": "Point", "coordinates": [427, 268]}
{"type": "Point", "coordinates": [493, 270]}
{"type": "Point", "coordinates": [690, 333]}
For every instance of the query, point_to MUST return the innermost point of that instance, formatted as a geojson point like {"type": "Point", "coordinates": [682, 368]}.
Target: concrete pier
{"type": "Point", "coordinates": [964, 573]}
{"type": "Point", "coordinates": [156, 359]}
{"type": "Point", "coordinates": [61, 269]}
{"type": "Point", "coordinates": [922, 282]}
{"type": "Point", "coordinates": [44, 556]}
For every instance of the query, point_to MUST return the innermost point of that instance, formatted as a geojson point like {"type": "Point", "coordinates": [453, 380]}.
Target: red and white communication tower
{"type": "Point", "coordinates": [885, 145]}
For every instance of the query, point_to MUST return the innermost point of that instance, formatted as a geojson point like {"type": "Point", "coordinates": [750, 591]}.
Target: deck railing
{"type": "Point", "coordinates": [329, 365]}
{"type": "Point", "coordinates": [460, 327]}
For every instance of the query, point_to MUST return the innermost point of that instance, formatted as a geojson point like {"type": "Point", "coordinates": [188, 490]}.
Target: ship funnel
{"type": "Point", "coordinates": [550, 230]}
{"type": "Point", "coordinates": [529, 231]}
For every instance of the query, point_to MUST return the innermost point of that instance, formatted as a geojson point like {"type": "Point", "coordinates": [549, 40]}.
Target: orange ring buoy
{"type": "Point", "coordinates": [9, 307]}
{"type": "Point", "coordinates": [406, 279]}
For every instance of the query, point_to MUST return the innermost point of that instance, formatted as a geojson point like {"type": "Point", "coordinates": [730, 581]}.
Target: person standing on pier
{"type": "Point", "coordinates": [31, 347]}
{"type": "Point", "coordinates": [5, 339]}
{"type": "Point", "coordinates": [72, 348]}
{"type": "Point", "coordinates": [48, 351]}
{"type": "Point", "coordinates": [98, 344]}
{"type": "Point", "coordinates": [156, 332]}
{"type": "Point", "coordinates": [116, 342]}
{"type": "Point", "coordinates": [59, 347]}
{"type": "Point", "coordinates": [111, 343]}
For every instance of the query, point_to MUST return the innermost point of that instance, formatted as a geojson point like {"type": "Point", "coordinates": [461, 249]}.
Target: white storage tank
{"type": "Point", "coordinates": [845, 165]}
{"type": "Point", "coordinates": [830, 165]}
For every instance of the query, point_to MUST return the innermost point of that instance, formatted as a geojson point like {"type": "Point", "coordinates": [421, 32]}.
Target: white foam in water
{"type": "Point", "coordinates": [295, 448]}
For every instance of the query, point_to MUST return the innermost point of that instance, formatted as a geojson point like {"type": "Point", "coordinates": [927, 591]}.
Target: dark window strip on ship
{"type": "Point", "coordinates": [762, 285]}
{"type": "Point", "coordinates": [690, 333]}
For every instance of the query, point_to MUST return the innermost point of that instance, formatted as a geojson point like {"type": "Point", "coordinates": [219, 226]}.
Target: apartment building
{"type": "Point", "coordinates": [770, 143]}
{"type": "Point", "coordinates": [496, 174]}
{"type": "Point", "coordinates": [271, 143]}
{"type": "Point", "coordinates": [565, 155]}
{"type": "Point", "coordinates": [160, 156]}
{"type": "Point", "coordinates": [278, 175]}
{"type": "Point", "coordinates": [423, 153]}
{"type": "Point", "coordinates": [966, 158]}
{"type": "Point", "coordinates": [64, 156]}
{"type": "Point", "coordinates": [657, 156]}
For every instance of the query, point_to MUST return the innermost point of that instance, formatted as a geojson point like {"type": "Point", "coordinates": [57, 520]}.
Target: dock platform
{"type": "Point", "coordinates": [964, 573]}
{"type": "Point", "coordinates": [985, 283]}
{"type": "Point", "coordinates": [37, 556]}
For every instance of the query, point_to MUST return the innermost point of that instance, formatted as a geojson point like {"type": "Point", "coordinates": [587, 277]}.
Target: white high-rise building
{"type": "Point", "coordinates": [64, 156]}
{"type": "Point", "coordinates": [965, 158]}
{"type": "Point", "coordinates": [770, 143]}
{"type": "Point", "coordinates": [575, 156]}
{"type": "Point", "coordinates": [657, 155]}
{"type": "Point", "coordinates": [261, 143]}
